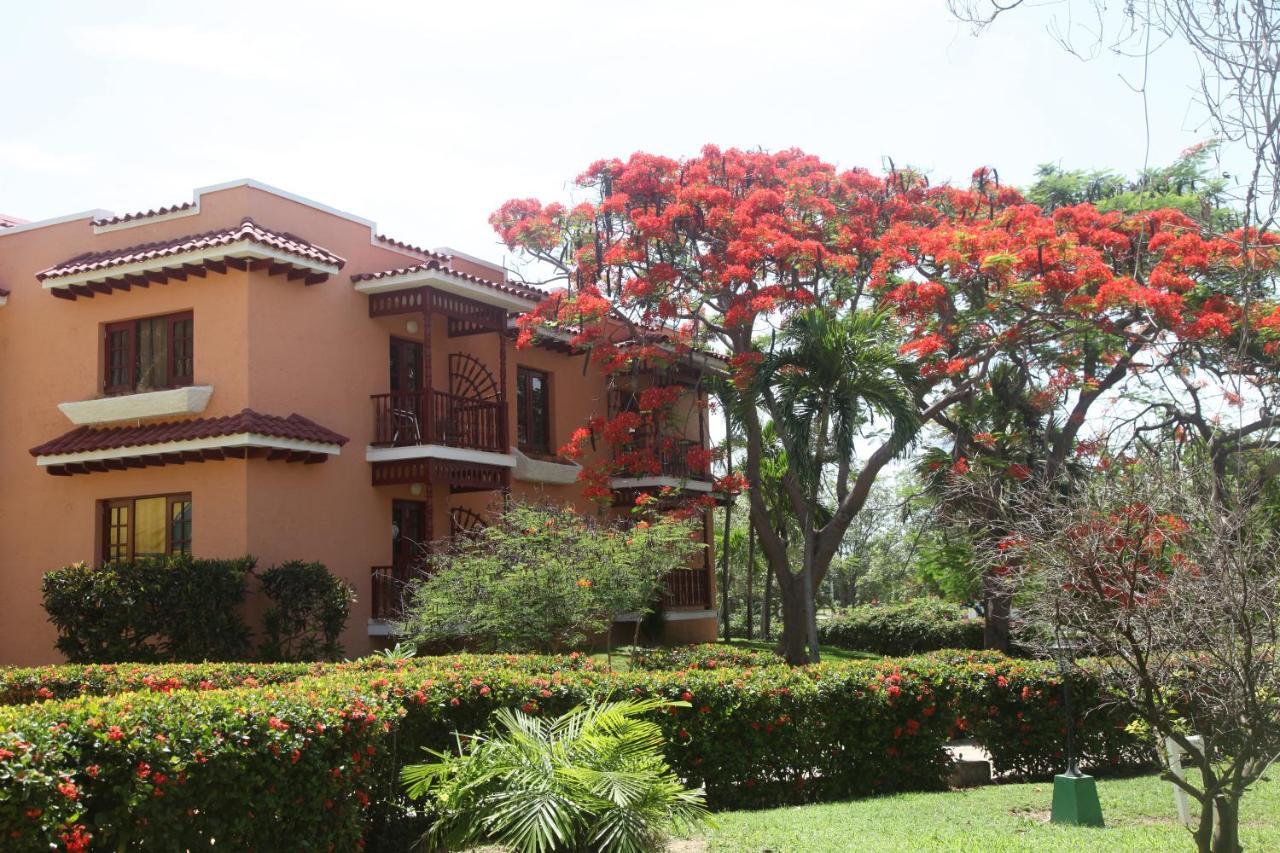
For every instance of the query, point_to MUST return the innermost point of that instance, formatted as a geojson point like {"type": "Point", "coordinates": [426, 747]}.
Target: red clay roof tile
{"type": "Point", "coordinates": [434, 264]}
{"type": "Point", "coordinates": [86, 438]}
{"type": "Point", "coordinates": [409, 247]}
{"type": "Point", "coordinates": [145, 214]}
{"type": "Point", "coordinates": [246, 230]}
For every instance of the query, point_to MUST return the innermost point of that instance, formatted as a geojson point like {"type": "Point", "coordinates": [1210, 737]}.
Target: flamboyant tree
{"type": "Point", "coordinates": [731, 250]}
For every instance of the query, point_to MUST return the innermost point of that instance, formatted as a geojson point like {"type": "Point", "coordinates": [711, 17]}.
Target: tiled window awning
{"type": "Point", "coordinates": [437, 273]}
{"type": "Point", "coordinates": [246, 435]}
{"type": "Point", "coordinates": [246, 246]}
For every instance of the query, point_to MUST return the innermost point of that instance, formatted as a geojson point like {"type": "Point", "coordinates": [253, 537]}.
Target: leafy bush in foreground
{"type": "Point", "coordinates": [918, 625]}
{"type": "Point", "coordinates": [592, 779]}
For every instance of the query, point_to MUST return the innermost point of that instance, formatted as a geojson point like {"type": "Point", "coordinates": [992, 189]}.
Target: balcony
{"type": "Point", "coordinates": [416, 418]}
{"type": "Point", "coordinates": [687, 588]}
{"type": "Point", "coordinates": [387, 585]}
{"type": "Point", "coordinates": [649, 444]}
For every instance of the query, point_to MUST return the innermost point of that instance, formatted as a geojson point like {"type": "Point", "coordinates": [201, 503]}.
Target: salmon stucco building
{"type": "Point", "coordinates": [255, 373]}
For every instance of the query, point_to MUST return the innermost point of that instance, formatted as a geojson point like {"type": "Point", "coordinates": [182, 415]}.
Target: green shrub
{"type": "Point", "coordinates": [173, 608]}
{"type": "Point", "coordinates": [21, 685]}
{"type": "Point", "coordinates": [918, 625]}
{"type": "Point", "coordinates": [592, 779]}
{"type": "Point", "coordinates": [309, 608]}
{"type": "Point", "coordinates": [703, 656]}
{"type": "Point", "coordinates": [756, 737]}
{"type": "Point", "coordinates": [543, 579]}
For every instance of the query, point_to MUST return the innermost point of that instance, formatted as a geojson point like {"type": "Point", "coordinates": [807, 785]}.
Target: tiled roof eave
{"type": "Point", "coordinates": [181, 261]}
{"type": "Point", "coordinates": [247, 435]}
{"type": "Point", "coordinates": [242, 440]}
{"type": "Point", "coordinates": [94, 439]}
{"type": "Point", "coordinates": [513, 297]}
{"type": "Point", "coordinates": [245, 246]}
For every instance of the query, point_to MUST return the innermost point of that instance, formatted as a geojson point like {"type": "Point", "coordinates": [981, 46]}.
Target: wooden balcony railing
{"type": "Point", "coordinates": [406, 418]}
{"type": "Point", "coordinates": [686, 588]}
{"type": "Point", "coordinates": [387, 588]}
{"type": "Point", "coordinates": [672, 456]}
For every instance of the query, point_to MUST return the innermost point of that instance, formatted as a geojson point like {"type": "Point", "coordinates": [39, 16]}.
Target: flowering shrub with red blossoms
{"type": "Point", "coordinates": [20, 685]}
{"type": "Point", "coordinates": [308, 764]}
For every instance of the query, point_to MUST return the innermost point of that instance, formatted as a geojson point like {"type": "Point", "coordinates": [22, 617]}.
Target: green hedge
{"type": "Point", "coordinates": [704, 656]}
{"type": "Point", "coordinates": [21, 685]}
{"type": "Point", "coordinates": [155, 609]}
{"type": "Point", "coordinates": [918, 625]}
{"type": "Point", "coordinates": [291, 765]}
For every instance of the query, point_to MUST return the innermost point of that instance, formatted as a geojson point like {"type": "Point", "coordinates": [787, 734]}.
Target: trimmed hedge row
{"type": "Point", "coordinates": [918, 625]}
{"type": "Point", "coordinates": [705, 656]}
{"type": "Point", "coordinates": [296, 765]}
{"type": "Point", "coordinates": [21, 685]}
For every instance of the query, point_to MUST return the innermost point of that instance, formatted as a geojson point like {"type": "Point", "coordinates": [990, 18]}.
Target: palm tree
{"type": "Point", "coordinates": [828, 378]}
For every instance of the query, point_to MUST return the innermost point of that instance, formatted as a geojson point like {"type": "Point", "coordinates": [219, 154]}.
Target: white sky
{"type": "Point", "coordinates": [425, 116]}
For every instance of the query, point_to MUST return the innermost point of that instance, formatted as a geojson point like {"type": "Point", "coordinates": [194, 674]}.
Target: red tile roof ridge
{"type": "Point", "coordinates": [409, 247]}
{"type": "Point", "coordinates": [512, 287]}
{"type": "Point", "coordinates": [89, 438]}
{"type": "Point", "coordinates": [246, 230]}
{"type": "Point", "coordinates": [144, 214]}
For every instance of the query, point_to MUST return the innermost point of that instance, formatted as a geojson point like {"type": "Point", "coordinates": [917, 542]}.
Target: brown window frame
{"type": "Point", "coordinates": [121, 340]}
{"type": "Point", "coordinates": [525, 413]}
{"type": "Point", "coordinates": [110, 513]}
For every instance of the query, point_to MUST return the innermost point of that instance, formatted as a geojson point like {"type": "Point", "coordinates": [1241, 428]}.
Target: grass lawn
{"type": "Point", "coordinates": [829, 653]}
{"type": "Point", "coordinates": [1139, 814]}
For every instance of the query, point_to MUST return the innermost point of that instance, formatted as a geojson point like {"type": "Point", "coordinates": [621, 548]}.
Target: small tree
{"type": "Point", "coordinates": [1169, 577]}
{"type": "Point", "coordinates": [309, 609]}
{"type": "Point", "coordinates": [544, 578]}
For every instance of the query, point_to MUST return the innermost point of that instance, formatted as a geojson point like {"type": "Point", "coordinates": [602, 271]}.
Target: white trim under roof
{"type": "Point", "coordinates": [447, 282]}
{"type": "Point", "coordinates": [189, 400]}
{"type": "Point", "coordinates": [382, 628]}
{"type": "Point", "coordinates": [532, 470]}
{"type": "Point", "coordinates": [671, 615]}
{"type": "Point", "coordinates": [659, 483]}
{"type": "Point", "coordinates": [239, 249]}
{"type": "Point", "coordinates": [4, 298]}
{"type": "Point", "coordinates": [439, 451]}
{"type": "Point", "coordinates": [217, 442]}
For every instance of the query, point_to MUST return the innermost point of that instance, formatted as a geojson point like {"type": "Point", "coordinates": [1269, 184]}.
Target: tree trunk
{"type": "Point", "coordinates": [1226, 825]}
{"type": "Point", "coordinates": [810, 591]}
{"type": "Point", "coordinates": [794, 645]}
{"type": "Point", "coordinates": [997, 605]}
{"type": "Point", "coordinates": [724, 574]}
{"type": "Point", "coordinates": [766, 608]}
{"type": "Point", "coordinates": [751, 572]}
{"type": "Point", "coordinates": [728, 514]}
